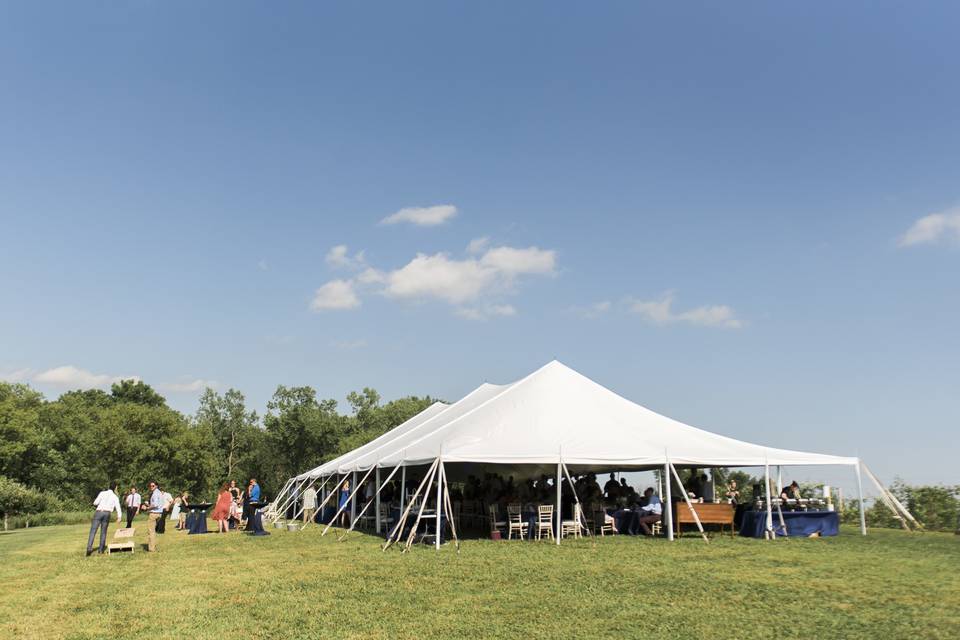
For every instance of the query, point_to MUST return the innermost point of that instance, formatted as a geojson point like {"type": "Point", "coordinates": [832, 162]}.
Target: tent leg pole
{"type": "Point", "coordinates": [446, 499]}
{"type": "Point", "coordinates": [439, 506]}
{"type": "Point", "coordinates": [696, 517]}
{"type": "Point", "coordinates": [403, 487]}
{"type": "Point", "coordinates": [369, 502]}
{"type": "Point", "coordinates": [559, 520]}
{"type": "Point", "coordinates": [353, 503]}
{"type": "Point", "coordinates": [770, 534]}
{"type": "Point", "coordinates": [377, 505]}
{"type": "Point", "coordinates": [353, 497]}
{"type": "Point", "coordinates": [669, 503]}
{"type": "Point", "coordinates": [323, 504]}
{"type": "Point", "coordinates": [863, 515]}
{"type": "Point", "coordinates": [423, 505]}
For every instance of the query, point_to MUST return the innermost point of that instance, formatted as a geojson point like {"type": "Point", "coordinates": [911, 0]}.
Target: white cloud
{"type": "Point", "coordinates": [16, 375]}
{"type": "Point", "coordinates": [934, 228]}
{"type": "Point", "coordinates": [474, 284]}
{"type": "Point", "coordinates": [193, 386]}
{"type": "Point", "coordinates": [422, 216]}
{"type": "Point", "coordinates": [73, 377]}
{"type": "Point", "coordinates": [458, 281]}
{"type": "Point", "coordinates": [478, 245]}
{"type": "Point", "coordinates": [510, 261]}
{"type": "Point", "coordinates": [661, 312]}
{"type": "Point", "coordinates": [439, 276]}
{"type": "Point", "coordinates": [339, 258]}
{"type": "Point", "coordinates": [335, 295]}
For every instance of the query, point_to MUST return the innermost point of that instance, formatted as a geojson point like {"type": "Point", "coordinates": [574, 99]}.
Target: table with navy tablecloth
{"type": "Point", "coordinates": [799, 523]}
{"type": "Point", "coordinates": [197, 518]}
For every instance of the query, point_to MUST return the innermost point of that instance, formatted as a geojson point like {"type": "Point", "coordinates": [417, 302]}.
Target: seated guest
{"type": "Point", "coordinates": [651, 512]}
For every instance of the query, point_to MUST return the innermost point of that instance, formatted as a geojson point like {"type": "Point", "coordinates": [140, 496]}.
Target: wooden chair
{"type": "Point", "coordinates": [573, 526]}
{"type": "Point", "coordinates": [517, 523]}
{"type": "Point", "coordinates": [603, 523]}
{"type": "Point", "coordinates": [545, 520]}
{"type": "Point", "coordinates": [386, 522]}
{"type": "Point", "coordinates": [495, 524]}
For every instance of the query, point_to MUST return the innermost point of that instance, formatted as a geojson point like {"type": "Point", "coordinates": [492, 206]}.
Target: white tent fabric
{"type": "Point", "coordinates": [558, 414]}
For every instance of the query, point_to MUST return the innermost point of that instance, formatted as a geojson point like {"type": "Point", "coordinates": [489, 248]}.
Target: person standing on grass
{"type": "Point", "coordinates": [221, 511]}
{"type": "Point", "coordinates": [309, 503]}
{"type": "Point", "coordinates": [132, 502]}
{"type": "Point", "coordinates": [155, 514]}
{"type": "Point", "coordinates": [167, 506]}
{"type": "Point", "coordinates": [343, 502]}
{"type": "Point", "coordinates": [106, 502]}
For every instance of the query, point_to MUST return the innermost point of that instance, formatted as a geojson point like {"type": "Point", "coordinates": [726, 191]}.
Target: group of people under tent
{"type": "Point", "coordinates": [616, 500]}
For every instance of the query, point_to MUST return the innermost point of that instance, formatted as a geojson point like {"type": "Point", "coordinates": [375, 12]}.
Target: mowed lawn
{"type": "Point", "coordinates": [296, 585]}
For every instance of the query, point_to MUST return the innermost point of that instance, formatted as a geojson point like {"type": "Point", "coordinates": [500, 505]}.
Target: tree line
{"type": "Point", "coordinates": [58, 454]}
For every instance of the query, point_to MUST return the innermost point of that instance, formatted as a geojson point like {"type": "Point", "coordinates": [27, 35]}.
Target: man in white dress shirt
{"type": "Point", "coordinates": [106, 502]}
{"type": "Point", "coordinates": [132, 502]}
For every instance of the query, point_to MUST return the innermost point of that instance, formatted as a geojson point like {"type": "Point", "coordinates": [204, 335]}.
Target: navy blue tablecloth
{"type": "Point", "coordinates": [197, 521]}
{"type": "Point", "coordinates": [799, 523]}
{"type": "Point", "coordinates": [255, 526]}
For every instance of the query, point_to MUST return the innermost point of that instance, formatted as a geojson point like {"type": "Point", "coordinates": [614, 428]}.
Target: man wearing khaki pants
{"type": "Point", "coordinates": [156, 512]}
{"type": "Point", "coordinates": [309, 503]}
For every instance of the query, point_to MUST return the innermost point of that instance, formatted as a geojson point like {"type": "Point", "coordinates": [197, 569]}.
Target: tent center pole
{"type": "Point", "coordinates": [863, 515]}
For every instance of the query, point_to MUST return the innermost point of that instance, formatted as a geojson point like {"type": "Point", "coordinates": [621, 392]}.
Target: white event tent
{"type": "Point", "coordinates": [555, 418]}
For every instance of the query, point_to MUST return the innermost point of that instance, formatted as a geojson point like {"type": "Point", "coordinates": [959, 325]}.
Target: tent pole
{"type": "Point", "coordinates": [696, 517]}
{"type": "Point", "coordinates": [766, 483]}
{"type": "Point", "coordinates": [279, 499]}
{"type": "Point", "coordinates": [353, 496]}
{"type": "Point", "coordinates": [376, 522]}
{"type": "Point", "coordinates": [891, 498]}
{"type": "Point", "coordinates": [403, 518]}
{"type": "Point", "coordinates": [439, 504]}
{"type": "Point", "coordinates": [446, 499]}
{"type": "Point", "coordinates": [324, 503]}
{"type": "Point", "coordinates": [287, 500]}
{"type": "Point", "coordinates": [669, 504]}
{"type": "Point", "coordinates": [353, 503]}
{"type": "Point", "coordinates": [297, 514]}
{"type": "Point", "coordinates": [886, 500]}
{"type": "Point", "coordinates": [423, 505]}
{"type": "Point", "coordinates": [783, 524]}
{"type": "Point", "coordinates": [370, 501]}
{"type": "Point", "coordinates": [403, 487]}
{"type": "Point", "coordinates": [559, 523]}
{"type": "Point", "coordinates": [576, 500]}
{"type": "Point", "coordinates": [863, 515]}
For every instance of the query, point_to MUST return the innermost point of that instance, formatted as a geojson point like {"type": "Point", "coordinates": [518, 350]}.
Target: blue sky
{"type": "Point", "coordinates": [745, 217]}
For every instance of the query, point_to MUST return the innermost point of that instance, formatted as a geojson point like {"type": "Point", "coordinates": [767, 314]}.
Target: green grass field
{"type": "Point", "coordinates": [296, 585]}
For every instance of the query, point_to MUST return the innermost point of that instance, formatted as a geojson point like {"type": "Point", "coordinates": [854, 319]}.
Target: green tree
{"type": "Point", "coordinates": [17, 499]}
{"type": "Point", "coordinates": [235, 432]}
{"type": "Point", "coordinates": [137, 392]}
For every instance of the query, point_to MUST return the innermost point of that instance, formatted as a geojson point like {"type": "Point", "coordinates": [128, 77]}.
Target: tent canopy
{"type": "Point", "coordinates": [557, 414]}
